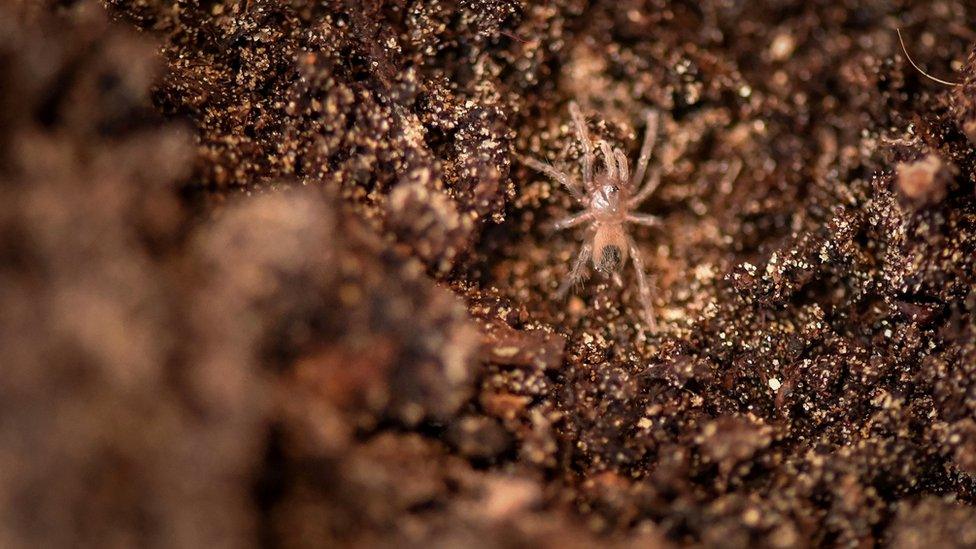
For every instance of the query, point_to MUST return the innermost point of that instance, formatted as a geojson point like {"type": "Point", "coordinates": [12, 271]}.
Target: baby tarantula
{"type": "Point", "coordinates": [609, 199]}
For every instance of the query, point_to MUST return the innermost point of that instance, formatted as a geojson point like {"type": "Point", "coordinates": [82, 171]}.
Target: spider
{"type": "Point", "coordinates": [609, 199]}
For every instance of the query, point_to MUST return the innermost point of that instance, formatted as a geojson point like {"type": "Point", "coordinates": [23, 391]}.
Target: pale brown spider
{"type": "Point", "coordinates": [609, 199]}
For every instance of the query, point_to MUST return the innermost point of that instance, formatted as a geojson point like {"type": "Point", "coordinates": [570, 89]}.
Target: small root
{"type": "Point", "coordinates": [919, 69]}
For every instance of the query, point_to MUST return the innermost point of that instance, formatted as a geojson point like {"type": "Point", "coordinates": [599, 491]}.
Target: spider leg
{"type": "Point", "coordinates": [578, 273]}
{"type": "Point", "coordinates": [584, 140]}
{"type": "Point", "coordinates": [646, 220]}
{"type": "Point", "coordinates": [642, 285]}
{"type": "Point", "coordinates": [617, 280]}
{"type": "Point", "coordinates": [556, 175]}
{"type": "Point", "coordinates": [622, 167]}
{"type": "Point", "coordinates": [652, 182]}
{"type": "Point", "coordinates": [572, 220]}
{"type": "Point", "coordinates": [650, 137]}
{"type": "Point", "coordinates": [608, 160]}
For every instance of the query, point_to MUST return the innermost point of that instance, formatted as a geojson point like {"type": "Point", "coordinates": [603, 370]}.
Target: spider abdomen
{"type": "Point", "coordinates": [610, 248]}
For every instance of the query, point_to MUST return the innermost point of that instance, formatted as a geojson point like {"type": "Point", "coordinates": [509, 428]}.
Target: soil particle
{"type": "Point", "coordinates": [923, 181]}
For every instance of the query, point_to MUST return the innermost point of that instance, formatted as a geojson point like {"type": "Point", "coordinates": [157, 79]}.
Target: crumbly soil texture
{"type": "Point", "coordinates": [272, 273]}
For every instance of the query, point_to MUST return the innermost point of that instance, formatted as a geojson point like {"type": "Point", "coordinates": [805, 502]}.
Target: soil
{"type": "Point", "coordinates": [272, 274]}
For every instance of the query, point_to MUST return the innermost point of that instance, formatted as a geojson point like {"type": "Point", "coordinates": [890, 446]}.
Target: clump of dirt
{"type": "Point", "coordinates": [104, 438]}
{"type": "Point", "coordinates": [273, 274]}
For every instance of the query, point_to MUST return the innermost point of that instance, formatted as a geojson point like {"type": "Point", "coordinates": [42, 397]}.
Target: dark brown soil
{"type": "Point", "coordinates": [271, 274]}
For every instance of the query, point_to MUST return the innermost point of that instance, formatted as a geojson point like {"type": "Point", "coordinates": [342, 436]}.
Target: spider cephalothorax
{"type": "Point", "coordinates": [609, 199]}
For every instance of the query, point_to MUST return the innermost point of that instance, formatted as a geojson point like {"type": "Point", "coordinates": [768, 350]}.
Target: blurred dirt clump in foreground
{"type": "Point", "coordinates": [272, 274]}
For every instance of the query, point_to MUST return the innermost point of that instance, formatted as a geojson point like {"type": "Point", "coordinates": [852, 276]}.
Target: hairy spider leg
{"type": "Point", "coordinates": [650, 138]}
{"type": "Point", "coordinates": [646, 220]}
{"type": "Point", "coordinates": [622, 167]}
{"type": "Point", "coordinates": [609, 161]}
{"type": "Point", "coordinates": [584, 138]}
{"type": "Point", "coordinates": [642, 285]}
{"type": "Point", "coordinates": [556, 175]}
{"type": "Point", "coordinates": [579, 271]}
{"type": "Point", "coordinates": [653, 181]}
{"type": "Point", "coordinates": [573, 220]}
